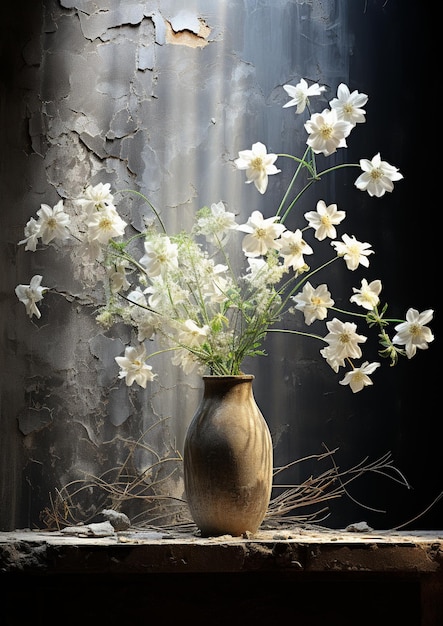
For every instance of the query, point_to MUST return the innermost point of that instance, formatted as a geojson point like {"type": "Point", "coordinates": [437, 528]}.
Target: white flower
{"type": "Point", "coordinates": [160, 255]}
{"type": "Point", "coordinates": [193, 335]}
{"type": "Point", "coordinates": [367, 296]}
{"type": "Point", "coordinates": [332, 358]}
{"type": "Point", "coordinates": [327, 132]}
{"type": "Point", "coordinates": [117, 277]}
{"type": "Point", "coordinates": [89, 251]}
{"type": "Point", "coordinates": [192, 293]}
{"type": "Point", "coordinates": [105, 224]}
{"type": "Point", "coordinates": [260, 273]}
{"type": "Point", "coordinates": [138, 304]}
{"type": "Point", "coordinates": [164, 296]}
{"type": "Point", "coordinates": [358, 377]}
{"type": "Point", "coordinates": [292, 247]}
{"type": "Point", "coordinates": [324, 220]}
{"type": "Point", "coordinates": [313, 302]}
{"type": "Point", "coordinates": [301, 93]}
{"type": "Point", "coordinates": [159, 299]}
{"type": "Point", "coordinates": [377, 177]}
{"type": "Point", "coordinates": [349, 105]}
{"type": "Point", "coordinates": [144, 320]}
{"type": "Point", "coordinates": [414, 333]}
{"type": "Point", "coordinates": [215, 223]}
{"type": "Point", "coordinates": [137, 298]}
{"type": "Point", "coordinates": [32, 233]}
{"type": "Point", "coordinates": [147, 324]}
{"type": "Point", "coordinates": [30, 294]}
{"type": "Point", "coordinates": [215, 282]}
{"type": "Point", "coordinates": [258, 165]}
{"type": "Point", "coordinates": [343, 339]}
{"type": "Point", "coordinates": [354, 252]}
{"type": "Point", "coordinates": [262, 234]}
{"type": "Point", "coordinates": [187, 361]}
{"type": "Point", "coordinates": [53, 223]}
{"type": "Point", "coordinates": [133, 367]}
{"type": "Point", "coordinates": [96, 198]}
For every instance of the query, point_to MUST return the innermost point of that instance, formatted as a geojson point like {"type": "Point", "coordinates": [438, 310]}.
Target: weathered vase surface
{"type": "Point", "coordinates": [228, 459]}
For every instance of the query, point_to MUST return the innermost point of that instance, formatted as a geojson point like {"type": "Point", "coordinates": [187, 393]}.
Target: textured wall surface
{"type": "Point", "coordinates": [160, 97]}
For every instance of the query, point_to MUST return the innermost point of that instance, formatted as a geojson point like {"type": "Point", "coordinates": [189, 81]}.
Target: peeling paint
{"type": "Point", "coordinates": [97, 23]}
{"type": "Point", "coordinates": [160, 28]}
{"type": "Point", "coordinates": [186, 20]}
{"type": "Point", "coordinates": [187, 30]}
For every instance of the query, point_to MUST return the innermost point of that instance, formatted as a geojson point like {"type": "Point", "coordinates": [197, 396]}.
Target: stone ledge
{"type": "Point", "coordinates": [293, 549]}
{"type": "Point", "coordinates": [286, 576]}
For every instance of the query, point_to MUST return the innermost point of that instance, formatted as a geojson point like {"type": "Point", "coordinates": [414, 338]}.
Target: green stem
{"type": "Point", "coordinates": [334, 308]}
{"type": "Point", "coordinates": [302, 281]}
{"type": "Point", "coordinates": [296, 332]}
{"type": "Point", "coordinates": [316, 176]}
{"type": "Point", "coordinates": [301, 163]}
{"type": "Point", "coordinates": [141, 195]}
{"type": "Point", "coordinates": [337, 167]}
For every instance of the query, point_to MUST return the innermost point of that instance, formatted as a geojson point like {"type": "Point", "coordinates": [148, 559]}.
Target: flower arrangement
{"type": "Point", "coordinates": [185, 290]}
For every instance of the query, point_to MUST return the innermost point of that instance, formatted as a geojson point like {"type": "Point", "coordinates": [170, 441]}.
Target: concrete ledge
{"type": "Point", "coordinates": [316, 576]}
{"type": "Point", "coordinates": [289, 549]}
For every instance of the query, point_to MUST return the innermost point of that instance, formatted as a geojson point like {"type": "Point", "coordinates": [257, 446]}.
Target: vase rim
{"type": "Point", "coordinates": [228, 376]}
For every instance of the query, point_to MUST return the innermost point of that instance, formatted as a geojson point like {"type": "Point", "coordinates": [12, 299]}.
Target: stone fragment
{"type": "Point", "coordinates": [101, 529]}
{"type": "Point", "coordinates": [358, 527]}
{"type": "Point", "coordinates": [119, 521]}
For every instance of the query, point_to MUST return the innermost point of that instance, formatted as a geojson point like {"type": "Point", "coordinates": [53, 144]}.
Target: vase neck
{"type": "Point", "coordinates": [220, 385]}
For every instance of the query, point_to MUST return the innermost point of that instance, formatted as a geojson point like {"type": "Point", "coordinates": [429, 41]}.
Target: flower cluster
{"type": "Point", "coordinates": [184, 291]}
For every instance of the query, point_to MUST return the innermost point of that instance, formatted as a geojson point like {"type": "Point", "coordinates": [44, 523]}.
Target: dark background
{"type": "Point", "coordinates": [390, 60]}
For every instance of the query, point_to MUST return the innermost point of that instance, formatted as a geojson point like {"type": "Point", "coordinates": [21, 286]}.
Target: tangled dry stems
{"type": "Point", "coordinates": [146, 494]}
{"type": "Point", "coordinates": [329, 485]}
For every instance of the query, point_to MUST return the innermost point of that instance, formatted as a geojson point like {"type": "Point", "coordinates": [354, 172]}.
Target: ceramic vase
{"type": "Point", "coordinates": [228, 459]}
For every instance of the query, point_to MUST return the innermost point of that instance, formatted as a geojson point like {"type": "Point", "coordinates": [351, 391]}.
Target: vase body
{"type": "Point", "coordinates": [228, 459]}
